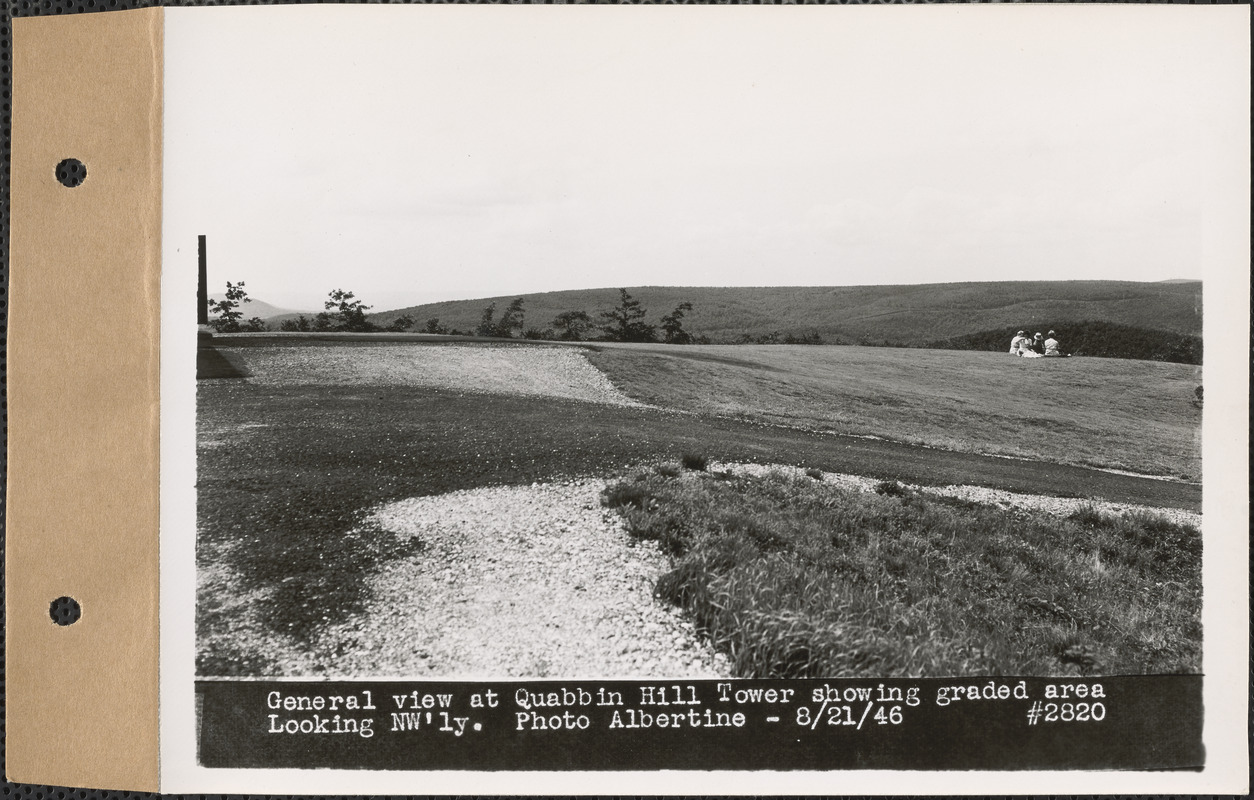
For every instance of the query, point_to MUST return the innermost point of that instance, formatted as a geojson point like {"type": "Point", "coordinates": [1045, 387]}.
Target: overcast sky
{"type": "Point", "coordinates": [417, 153]}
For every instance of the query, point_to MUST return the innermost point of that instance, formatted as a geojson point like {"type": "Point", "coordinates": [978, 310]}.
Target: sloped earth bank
{"type": "Point", "coordinates": [351, 529]}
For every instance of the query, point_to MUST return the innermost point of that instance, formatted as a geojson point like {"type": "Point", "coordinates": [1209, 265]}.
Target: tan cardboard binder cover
{"type": "Point", "coordinates": [83, 401]}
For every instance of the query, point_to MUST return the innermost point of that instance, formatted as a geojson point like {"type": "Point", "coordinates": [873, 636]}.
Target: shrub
{"type": "Point", "coordinates": [817, 474]}
{"type": "Point", "coordinates": [636, 494]}
{"type": "Point", "coordinates": [1089, 517]}
{"type": "Point", "coordinates": [301, 323]}
{"type": "Point", "coordinates": [891, 489]}
{"type": "Point", "coordinates": [572, 325]}
{"type": "Point", "coordinates": [694, 461]}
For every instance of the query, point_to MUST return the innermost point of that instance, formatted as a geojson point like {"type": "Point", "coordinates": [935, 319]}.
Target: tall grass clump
{"type": "Point", "coordinates": [795, 578]}
{"type": "Point", "coordinates": [694, 461]}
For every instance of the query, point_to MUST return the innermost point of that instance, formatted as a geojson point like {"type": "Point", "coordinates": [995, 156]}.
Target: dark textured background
{"type": "Point", "coordinates": [27, 8]}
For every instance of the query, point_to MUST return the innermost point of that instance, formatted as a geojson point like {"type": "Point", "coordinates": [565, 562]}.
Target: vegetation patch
{"type": "Point", "coordinates": [795, 578]}
{"type": "Point", "coordinates": [1093, 338]}
{"type": "Point", "coordinates": [695, 461]}
{"type": "Point", "coordinates": [905, 315]}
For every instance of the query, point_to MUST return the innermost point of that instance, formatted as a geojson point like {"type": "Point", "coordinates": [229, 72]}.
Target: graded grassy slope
{"type": "Point", "coordinates": [794, 578]}
{"type": "Point", "coordinates": [909, 315]}
{"type": "Point", "coordinates": [288, 470]}
{"type": "Point", "coordinates": [1130, 415]}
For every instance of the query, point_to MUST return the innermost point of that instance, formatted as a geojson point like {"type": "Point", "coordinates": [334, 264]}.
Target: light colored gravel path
{"type": "Point", "coordinates": [532, 581]}
{"type": "Point", "coordinates": [1057, 506]}
{"type": "Point", "coordinates": [536, 371]}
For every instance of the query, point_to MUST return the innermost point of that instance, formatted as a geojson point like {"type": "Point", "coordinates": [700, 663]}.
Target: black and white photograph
{"type": "Point", "coordinates": [719, 346]}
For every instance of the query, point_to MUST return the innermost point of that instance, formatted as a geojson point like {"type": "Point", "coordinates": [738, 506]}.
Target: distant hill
{"type": "Point", "coordinates": [260, 308]}
{"type": "Point", "coordinates": [1103, 339]}
{"type": "Point", "coordinates": [913, 315]}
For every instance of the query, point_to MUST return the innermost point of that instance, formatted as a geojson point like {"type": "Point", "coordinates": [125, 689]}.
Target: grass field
{"type": "Point", "coordinates": [792, 578]}
{"type": "Point", "coordinates": [1129, 415]}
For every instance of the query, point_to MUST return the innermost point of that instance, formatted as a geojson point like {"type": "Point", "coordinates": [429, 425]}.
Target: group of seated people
{"type": "Point", "coordinates": [1036, 346]}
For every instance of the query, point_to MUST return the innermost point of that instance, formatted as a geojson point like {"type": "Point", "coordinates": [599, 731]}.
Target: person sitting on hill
{"type": "Point", "coordinates": [1038, 344]}
{"type": "Point", "coordinates": [1016, 344]}
{"type": "Point", "coordinates": [1051, 346]}
{"type": "Point", "coordinates": [1026, 350]}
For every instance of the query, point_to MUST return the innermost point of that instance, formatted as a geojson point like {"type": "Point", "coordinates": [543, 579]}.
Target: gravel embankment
{"type": "Point", "coordinates": [1057, 506]}
{"type": "Point", "coordinates": [497, 369]}
{"type": "Point", "coordinates": [530, 581]}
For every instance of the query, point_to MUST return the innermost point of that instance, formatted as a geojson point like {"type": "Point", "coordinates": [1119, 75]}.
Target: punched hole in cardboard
{"type": "Point", "coordinates": [71, 172]}
{"type": "Point", "coordinates": [65, 611]}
